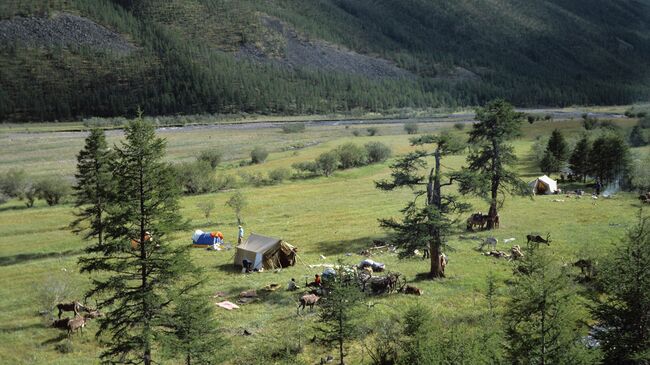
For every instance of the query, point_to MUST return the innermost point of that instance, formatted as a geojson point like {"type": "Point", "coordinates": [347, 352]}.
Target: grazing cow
{"type": "Point", "coordinates": [412, 290]}
{"type": "Point", "coordinates": [74, 306]}
{"type": "Point", "coordinates": [76, 324]}
{"type": "Point", "coordinates": [489, 241]}
{"type": "Point", "coordinates": [538, 239]}
{"type": "Point", "coordinates": [308, 300]}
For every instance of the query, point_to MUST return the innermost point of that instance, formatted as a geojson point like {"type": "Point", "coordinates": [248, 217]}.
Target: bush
{"type": "Point", "coordinates": [356, 133]}
{"type": "Point", "coordinates": [459, 126]}
{"type": "Point", "coordinates": [225, 182]}
{"type": "Point", "coordinates": [195, 177]}
{"type": "Point", "coordinates": [52, 189]}
{"type": "Point", "coordinates": [253, 178]}
{"type": "Point", "coordinates": [3, 197]}
{"type": "Point", "coordinates": [352, 155]}
{"type": "Point", "coordinates": [328, 162]}
{"type": "Point", "coordinates": [530, 118]}
{"type": "Point", "coordinates": [293, 127]}
{"type": "Point", "coordinates": [212, 157]}
{"type": "Point", "coordinates": [64, 347]}
{"type": "Point", "coordinates": [259, 155]}
{"type": "Point", "coordinates": [411, 128]}
{"type": "Point", "coordinates": [373, 131]}
{"type": "Point", "coordinates": [589, 123]}
{"type": "Point", "coordinates": [14, 183]}
{"type": "Point", "coordinates": [306, 167]}
{"type": "Point", "coordinates": [279, 175]}
{"type": "Point", "coordinates": [377, 152]}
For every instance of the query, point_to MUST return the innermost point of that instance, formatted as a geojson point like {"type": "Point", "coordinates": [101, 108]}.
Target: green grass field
{"type": "Point", "coordinates": [321, 216]}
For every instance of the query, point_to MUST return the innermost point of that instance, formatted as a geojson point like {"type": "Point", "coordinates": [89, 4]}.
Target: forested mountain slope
{"type": "Point", "coordinates": [68, 59]}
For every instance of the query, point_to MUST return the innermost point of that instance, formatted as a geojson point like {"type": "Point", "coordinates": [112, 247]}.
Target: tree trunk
{"type": "Point", "coordinates": [143, 258]}
{"type": "Point", "coordinates": [435, 198]}
{"type": "Point", "coordinates": [496, 180]}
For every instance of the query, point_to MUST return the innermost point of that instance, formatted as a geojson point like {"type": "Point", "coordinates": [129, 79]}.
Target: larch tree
{"type": "Point", "coordinates": [428, 218]}
{"type": "Point", "coordinates": [487, 174]}
{"type": "Point", "coordinates": [543, 324]}
{"type": "Point", "coordinates": [556, 153]}
{"type": "Point", "coordinates": [609, 159]}
{"type": "Point", "coordinates": [94, 186]}
{"type": "Point", "coordinates": [624, 312]}
{"type": "Point", "coordinates": [137, 268]}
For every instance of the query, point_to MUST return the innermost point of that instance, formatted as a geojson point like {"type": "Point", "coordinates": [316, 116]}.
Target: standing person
{"type": "Point", "coordinates": [240, 236]}
{"type": "Point", "coordinates": [599, 186]}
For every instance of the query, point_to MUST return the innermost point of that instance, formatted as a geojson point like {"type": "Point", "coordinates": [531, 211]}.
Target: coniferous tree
{"type": "Point", "coordinates": [624, 314]}
{"type": "Point", "coordinates": [425, 225]}
{"type": "Point", "coordinates": [338, 311]}
{"type": "Point", "coordinates": [556, 153]}
{"type": "Point", "coordinates": [609, 158]}
{"type": "Point", "coordinates": [93, 187]}
{"type": "Point", "coordinates": [637, 138]}
{"type": "Point", "coordinates": [138, 266]}
{"type": "Point", "coordinates": [488, 175]}
{"type": "Point", "coordinates": [543, 325]}
{"type": "Point", "coordinates": [579, 160]}
{"type": "Point", "coordinates": [193, 334]}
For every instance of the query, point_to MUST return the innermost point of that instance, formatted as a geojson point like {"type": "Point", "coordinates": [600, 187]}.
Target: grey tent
{"type": "Point", "coordinates": [265, 252]}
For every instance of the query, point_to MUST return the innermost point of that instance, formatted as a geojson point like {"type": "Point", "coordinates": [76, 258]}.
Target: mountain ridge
{"type": "Point", "coordinates": [285, 57]}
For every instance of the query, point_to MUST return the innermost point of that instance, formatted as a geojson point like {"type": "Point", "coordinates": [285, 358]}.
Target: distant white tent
{"type": "Point", "coordinates": [543, 185]}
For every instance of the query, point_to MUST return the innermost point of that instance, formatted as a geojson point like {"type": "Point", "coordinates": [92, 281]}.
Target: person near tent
{"type": "Point", "coordinates": [599, 186]}
{"type": "Point", "coordinates": [247, 266]}
{"type": "Point", "coordinates": [292, 285]}
{"type": "Point", "coordinates": [240, 235]}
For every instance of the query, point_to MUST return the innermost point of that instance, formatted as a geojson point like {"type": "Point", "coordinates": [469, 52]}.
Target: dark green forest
{"type": "Point", "coordinates": [185, 59]}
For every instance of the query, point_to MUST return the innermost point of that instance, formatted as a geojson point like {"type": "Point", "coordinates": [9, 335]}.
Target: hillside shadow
{"type": "Point", "coordinates": [26, 257]}
{"type": "Point", "coordinates": [228, 267]}
{"type": "Point", "coordinates": [340, 247]}
{"type": "Point", "coordinates": [13, 207]}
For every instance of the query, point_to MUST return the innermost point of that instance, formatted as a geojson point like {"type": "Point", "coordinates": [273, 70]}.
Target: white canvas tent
{"type": "Point", "coordinates": [265, 252]}
{"type": "Point", "coordinates": [543, 185]}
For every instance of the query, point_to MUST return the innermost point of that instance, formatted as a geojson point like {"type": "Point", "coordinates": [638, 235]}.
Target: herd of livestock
{"type": "Point", "coordinates": [78, 322]}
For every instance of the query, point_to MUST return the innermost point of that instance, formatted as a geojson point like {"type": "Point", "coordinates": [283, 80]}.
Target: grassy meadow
{"type": "Point", "coordinates": [331, 216]}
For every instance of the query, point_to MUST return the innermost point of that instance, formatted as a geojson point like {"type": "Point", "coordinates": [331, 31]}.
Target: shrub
{"type": "Point", "coordinates": [3, 197]}
{"type": "Point", "coordinates": [225, 182]}
{"type": "Point", "coordinates": [195, 177]}
{"type": "Point", "coordinates": [279, 175]}
{"type": "Point", "coordinates": [259, 155]}
{"type": "Point", "coordinates": [64, 347]}
{"type": "Point", "coordinates": [356, 133]}
{"type": "Point", "coordinates": [352, 155]}
{"type": "Point", "coordinates": [212, 157]}
{"type": "Point", "coordinates": [293, 127]}
{"type": "Point", "coordinates": [589, 123]}
{"type": "Point", "coordinates": [52, 189]}
{"type": "Point", "coordinates": [459, 126]}
{"type": "Point", "coordinates": [328, 162]}
{"type": "Point", "coordinates": [14, 183]}
{"type": "Point", "coordinates": [377, 152]}
{"type": "Point", "coordinates": [411, 128]}
{"type": "Point", "coordinates": [644, 122]}
{"type": "Point", "coordinates": [372, 131]}
{"type": "Point", "coordinates": [309, 167]}
{"type": "Point", "coordinates": [530, 118]}
{"type": "Point", "coordinates": [253, 178]}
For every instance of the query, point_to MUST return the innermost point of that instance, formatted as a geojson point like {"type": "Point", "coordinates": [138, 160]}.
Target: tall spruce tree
{"type": "Point", "coordinates": [543, 324]}
{"type": "Point", "coordinates": [488, 175]}
{"type": "Point", "coordinates": [624, 313]}
{"type": "Point", "coordinates": [425, 224]}
{"type": "Point", "coordinates": [137, 266]}
{"type": "Point", "coordinates": [579, 160]}
{"type": "Point", "coordinates": [93, 187]}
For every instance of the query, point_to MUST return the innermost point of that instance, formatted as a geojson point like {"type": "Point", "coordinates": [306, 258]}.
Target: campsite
{"type": "Point", "coordinates": [328, 219]}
